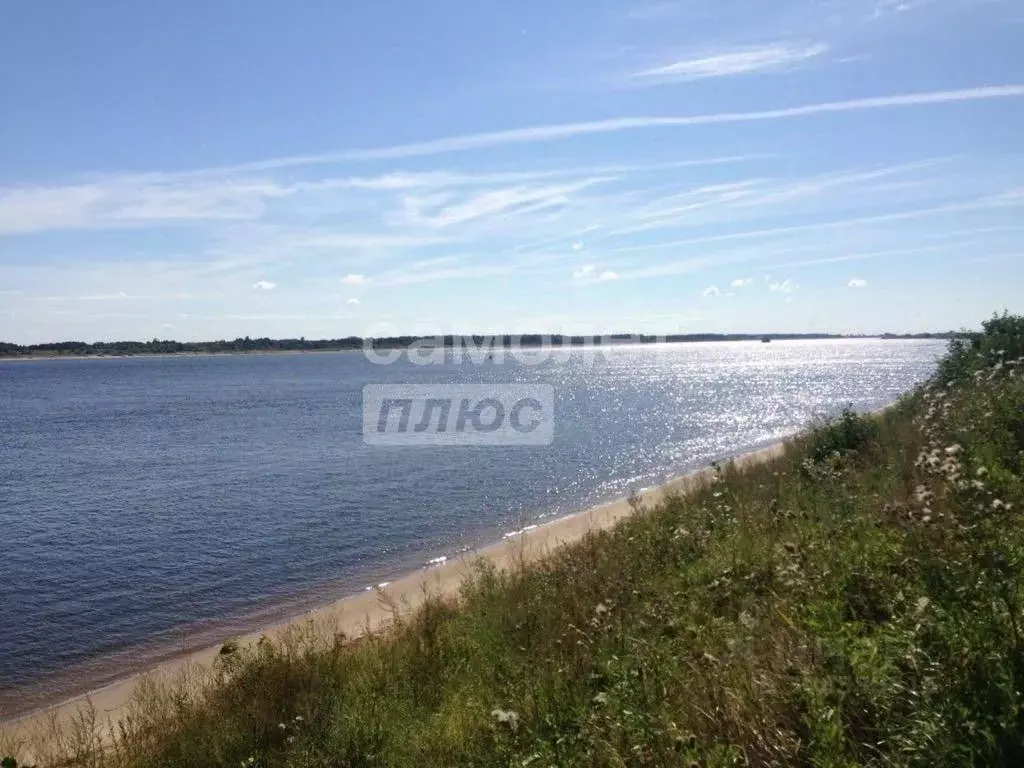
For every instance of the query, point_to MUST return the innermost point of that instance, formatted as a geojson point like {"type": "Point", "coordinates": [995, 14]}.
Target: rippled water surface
{"type": "Point", "coordinates": [150, 505]}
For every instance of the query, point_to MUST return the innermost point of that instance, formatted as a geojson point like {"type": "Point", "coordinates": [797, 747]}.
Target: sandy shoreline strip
{"type": "Point", "coordinates": [353, 614]}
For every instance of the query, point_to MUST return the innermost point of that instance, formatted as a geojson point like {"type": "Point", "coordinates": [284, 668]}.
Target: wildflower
{"type": "Point", "coordinates": [282, 726]}
{"type": "Point", "coordinates": [954, 449]}
{"type": "Point", "coordinates": [981, 472]}
{"type": "Point", "coordinates": [998, 504]}
{"type": "Point", "coordinates": [506, 717]}
{"type": "Point", "coordinates": [601, 698]}
{"type": "Point", "coordinates": [601, 609]}
{"type": "Point", "coordinates": [922, 604]}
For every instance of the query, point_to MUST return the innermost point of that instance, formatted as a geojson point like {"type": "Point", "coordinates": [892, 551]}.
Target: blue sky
{"type": "Point", "coordinates": [201, 170]}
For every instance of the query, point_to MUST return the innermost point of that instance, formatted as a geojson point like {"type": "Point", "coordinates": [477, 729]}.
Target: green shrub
{"type": "Point", "coordinates": [850, 432]}
{"type": "Point", "coordinates": [1000, 342]}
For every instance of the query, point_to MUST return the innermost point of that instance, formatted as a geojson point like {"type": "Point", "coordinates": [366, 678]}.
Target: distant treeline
{"type": "Point", "coordinates": [247, 344]}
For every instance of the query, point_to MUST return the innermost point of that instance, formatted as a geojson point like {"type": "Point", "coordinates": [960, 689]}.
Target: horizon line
{"type": "Point", "coordinates": [505, 338]}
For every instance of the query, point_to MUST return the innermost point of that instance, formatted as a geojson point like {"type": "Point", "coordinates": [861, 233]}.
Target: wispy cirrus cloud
{"type": "Point", "coordinates": [400, 277]}
{"type": "Point", "coordinates": [127, 202]}
{"type": "Point", "coordinates": [777, 57]}
{"type": "Point", "coordinates": [653, 11]}
{"type": "Point", "coordinates": [990, 202]}
{"type": "Point", "coordinates": [230, 193]}
{"type": "Point", "coordinates": [562, 131]}
{"type": "Point", "coordinates": [556, 132]}
{"type": "Point", "coordinates": [501, 201]}
{"type": "Point", "coordinates": [464, 222]}
{"type": "Point", "coordinates": [591, 274]}
{"type": "Point", "coordinates": [886, 7]}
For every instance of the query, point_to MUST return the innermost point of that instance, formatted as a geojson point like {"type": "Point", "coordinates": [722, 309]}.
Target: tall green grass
{"type": "Point", "coordinates": [856, 602]}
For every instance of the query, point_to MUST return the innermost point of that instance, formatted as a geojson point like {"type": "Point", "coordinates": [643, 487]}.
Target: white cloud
{"type": "Point", "coordinates": [607, 276]}
{"type": "Point", "coordinates": [740, 282]}
{"type": "Point", "coordinates": [786, 286]}
{"type": "Point", "coordinates": [770, 58]}
{"type": "Point", "coordinates": [352, 301]}
{"type": "Point", "coordinates": [352, 279]}
{"type": "Point", "coordinates": [711, 290]}
{"type": "Point", "coordinates": [265, 285]}
{"type": "Point", "coordinates": [577, 246]}
{"type": "Point", "coordinates": [857, 283]}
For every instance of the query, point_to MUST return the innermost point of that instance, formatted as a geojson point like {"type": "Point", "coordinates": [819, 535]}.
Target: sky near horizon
{"type": "Point", "coordinates": [203, 170]}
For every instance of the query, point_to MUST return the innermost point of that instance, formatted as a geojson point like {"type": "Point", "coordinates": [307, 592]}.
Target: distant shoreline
{"type": "Point", "coordinates": [480, 344]}
{"type": "Point", "coordinates": [173, 355]}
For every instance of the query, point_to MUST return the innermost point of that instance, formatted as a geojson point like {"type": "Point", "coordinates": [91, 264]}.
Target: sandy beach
{"type": "Point", "coordinates": [352, 615]}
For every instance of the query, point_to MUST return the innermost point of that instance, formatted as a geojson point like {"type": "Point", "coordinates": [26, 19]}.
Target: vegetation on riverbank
{"type": "Point", "coordinates": [859, 601]}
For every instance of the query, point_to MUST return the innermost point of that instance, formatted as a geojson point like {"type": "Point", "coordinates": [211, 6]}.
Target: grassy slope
{"type": "Point", "coordinates": [856, 602]}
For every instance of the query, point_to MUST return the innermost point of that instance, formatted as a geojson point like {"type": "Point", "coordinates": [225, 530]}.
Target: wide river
{"type": "Point", "coordinates": [153, 505]}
